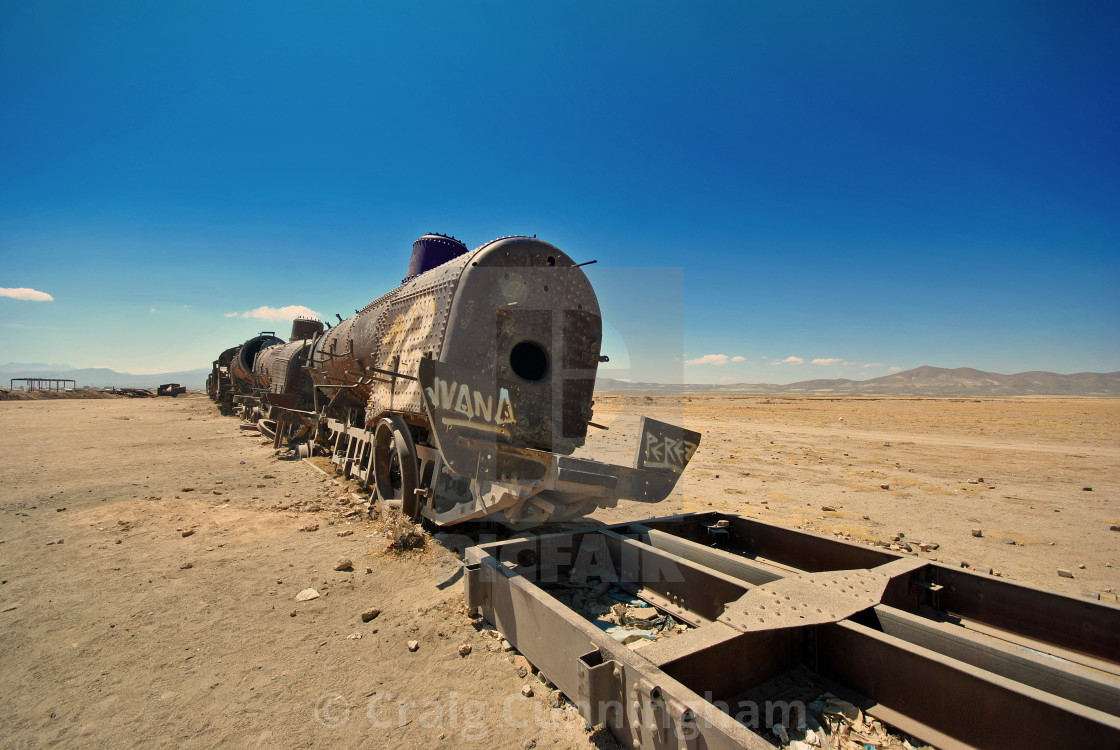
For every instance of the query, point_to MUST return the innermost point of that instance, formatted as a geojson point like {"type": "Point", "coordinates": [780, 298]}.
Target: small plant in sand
{"type": "Point", "coordinates": [400, 532]}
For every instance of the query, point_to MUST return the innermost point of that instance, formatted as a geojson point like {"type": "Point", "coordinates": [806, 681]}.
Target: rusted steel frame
{"type": "Point", "coordinates": [1083, 626]}
{"type": "Point", "coordinates": [1075, 625]}
{"type": "Point", "coordinates": [1095, 688]}
{"type": "Point", "coordinates": [734, 565]}
{"type": "Point", "coordinates": [680, 586]}
{"type": "Point", "coordinates": [57, 383]}
{"type": "Point", "coordinates": [1088, 687]}
{"type": "Point", "coordinates": [922, 689]}
{"type": "Point", "coordinates": [610, 684]}
{"type": "Point", "coordinates": [952, 694]}
{"type": "Point", "coordinates": [805, 551]}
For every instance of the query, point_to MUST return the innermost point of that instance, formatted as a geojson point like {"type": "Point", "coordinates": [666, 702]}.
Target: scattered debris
{"type": "Point", "coordinates": [522, 666]}
{"type": "Point", "coordinates": [370, 614]}
{"type": "Point", "coordinates": [186, 566]}
{"type": "Point", "coordinates": [187, 532]}
{"type": "Point", "coordinates": [413, 646]}
{"type": "Point", "coordinates": [623, 616]}
{"type": "Point", "coordinates": [307, 595]}
{"type": "Point", "coordinates": [344, 564]}
{"type": "Point", "coordinates": [464, 649]}
{"type": "Point", "coordinates": [527, 691]}
{"type": "Point", "coordinates": [309, 527]}
{"type": "Point", "coordinates": [977, 533]}
{"type": "Point", "coordinates": [1064, 573]}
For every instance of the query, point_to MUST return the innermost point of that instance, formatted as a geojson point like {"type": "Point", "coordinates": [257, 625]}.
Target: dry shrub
{"type": "Point", "coordinates": [400, 532]}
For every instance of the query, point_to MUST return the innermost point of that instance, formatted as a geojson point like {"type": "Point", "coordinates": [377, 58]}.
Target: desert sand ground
{"type": "Point", "coordinates": [1042, 473]}
{"type": "Point", "coordinates": [118, 630]}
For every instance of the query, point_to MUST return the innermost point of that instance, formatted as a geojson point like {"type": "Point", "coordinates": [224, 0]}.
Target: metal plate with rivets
{"type": "Point", "coordinates": [805, 599]}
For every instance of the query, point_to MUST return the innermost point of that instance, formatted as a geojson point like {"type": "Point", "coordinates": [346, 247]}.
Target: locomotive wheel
{"type": "Point", "coordinates": [394, 466]}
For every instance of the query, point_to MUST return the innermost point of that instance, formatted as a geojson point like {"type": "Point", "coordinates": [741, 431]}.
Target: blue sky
{"type": "Point", "coordinates": [868, 185]}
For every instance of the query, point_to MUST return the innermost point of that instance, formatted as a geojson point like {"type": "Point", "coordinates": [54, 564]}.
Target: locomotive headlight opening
{"type": "Point", "coordinates": [529, 361]}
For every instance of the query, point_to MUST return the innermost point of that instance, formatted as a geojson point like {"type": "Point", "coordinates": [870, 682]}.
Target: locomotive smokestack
{"type": "Point", "coordinates": [303, 328]}
{"type": "Point", "coordinates": [430, 251]}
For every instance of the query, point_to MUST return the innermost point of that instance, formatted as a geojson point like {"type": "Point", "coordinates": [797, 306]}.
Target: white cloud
{"type": "Point", "coordinates": [151, 309]}
{"type": "Point", "coordinates": [791, 360]}
{"type": "Point", "coordinates": [894, 369]}
{"type": "Point", "coordinates": [30, 295]}
{"type": "Point", "coordinates": [738, 359]}
{"type": "Point", "coordinates": [709, 359]}
{"type": "Point", "coordinates": [289, 312]}
{"type": "Point", "coordinates": [830, 361]}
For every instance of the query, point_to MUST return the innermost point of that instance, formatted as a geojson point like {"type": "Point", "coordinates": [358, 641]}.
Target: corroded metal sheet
{"type": "Point", "coordinates": [879, 637]}
{"type": "Point", "coordinates": [806, 599]}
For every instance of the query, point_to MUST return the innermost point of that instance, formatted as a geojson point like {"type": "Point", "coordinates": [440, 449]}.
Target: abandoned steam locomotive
{"type": "Point", "coordinates": [459, 395]}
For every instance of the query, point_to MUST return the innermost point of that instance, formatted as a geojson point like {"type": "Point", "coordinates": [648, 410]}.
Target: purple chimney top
{"type": "Point", "coordinates": [430, 251]}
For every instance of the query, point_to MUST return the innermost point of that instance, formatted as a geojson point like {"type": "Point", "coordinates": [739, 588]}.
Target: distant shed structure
{"type": "Point", "coordinates": [45, 384]}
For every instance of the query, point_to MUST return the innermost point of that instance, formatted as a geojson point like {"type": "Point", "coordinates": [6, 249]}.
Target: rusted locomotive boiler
{"type": "Point", "coordinates": [233, 375]}
{"type": "Point", "coordinates": [461, 394]}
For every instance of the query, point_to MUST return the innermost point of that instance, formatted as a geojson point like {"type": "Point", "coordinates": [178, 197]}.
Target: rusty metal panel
{"type": "Point", "coordinates": [971, 705]}
{"type": "Point", "coordinates": [948, 684]}
{"type": "Point", "coordinates": [1090, 687]}
{"type": "Point", "coordinates": [242, 376]}
{"type": "Point", "coordinates": [805, 599]}
{"type": "Point", "coordinates": [1078, 625]}
{"type": "Point", "coordinates": [411, 328]}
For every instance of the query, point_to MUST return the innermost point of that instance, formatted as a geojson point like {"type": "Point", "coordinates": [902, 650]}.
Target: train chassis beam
{"type": "Point", "coordinates": [954, 658]}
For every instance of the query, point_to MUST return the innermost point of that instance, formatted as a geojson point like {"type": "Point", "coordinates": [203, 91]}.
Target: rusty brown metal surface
{"type": "Point", "coordinates": [805, 599]}
{"type": "Point", "coordinates": [884, 638]}
{"type": "Point", "coordinates": [511, 333]}
{"type": "Point", "coordinates": [241, 374]}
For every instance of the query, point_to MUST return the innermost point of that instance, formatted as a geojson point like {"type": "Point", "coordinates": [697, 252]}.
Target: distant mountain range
{"type": "Point", "coordinates": [101, 377]}
{"type": "Point", "coordinates": [921, 381]}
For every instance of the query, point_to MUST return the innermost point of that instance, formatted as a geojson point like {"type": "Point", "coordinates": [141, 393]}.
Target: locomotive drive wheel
{"type": "Point", "coordinates": [394, 466]}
